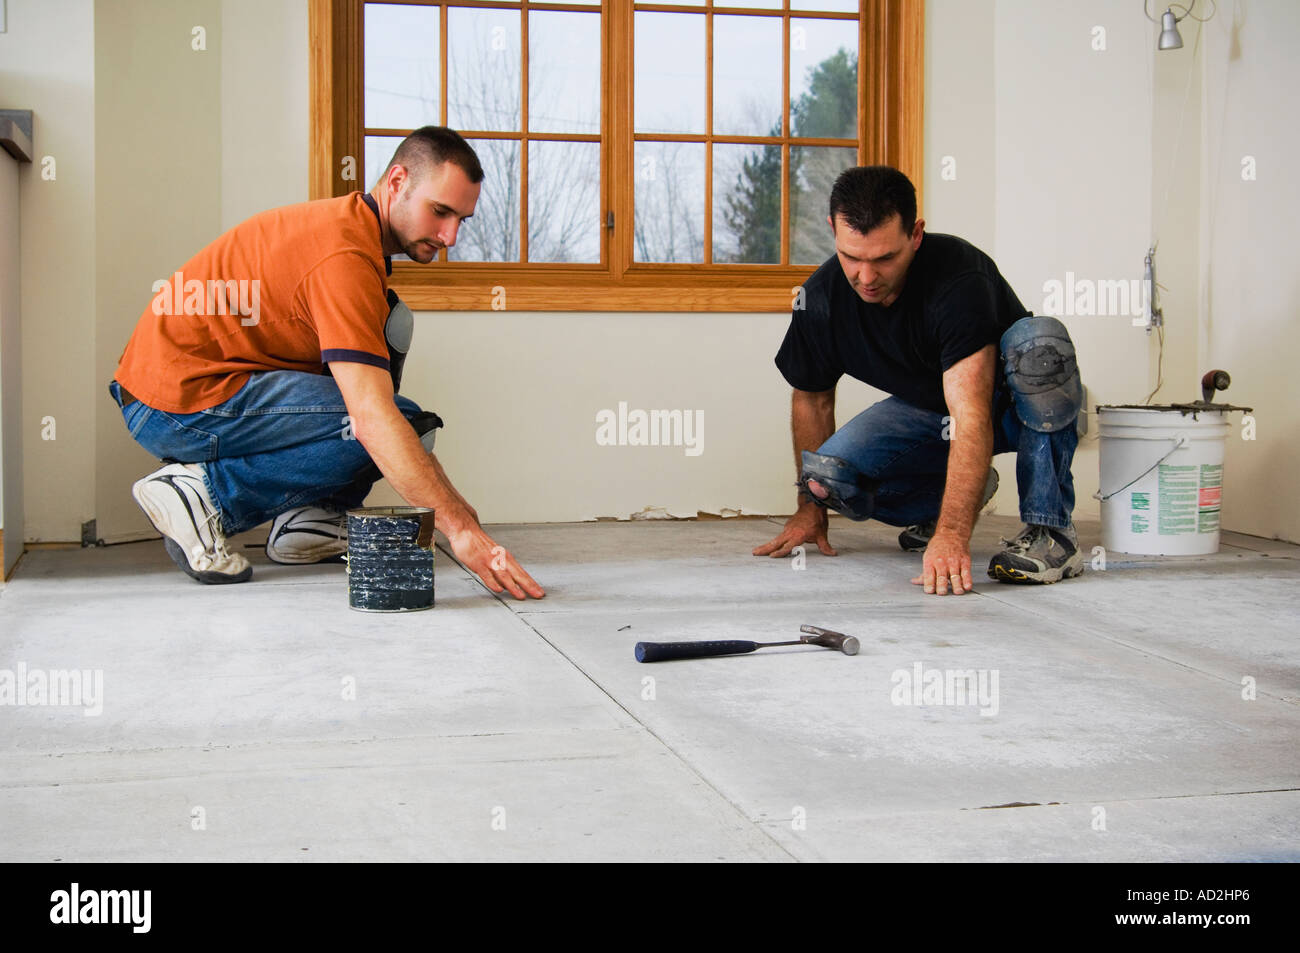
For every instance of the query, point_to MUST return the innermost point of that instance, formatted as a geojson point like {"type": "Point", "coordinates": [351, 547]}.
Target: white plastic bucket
{"type": "Point", "coordinates": [1161, 480]}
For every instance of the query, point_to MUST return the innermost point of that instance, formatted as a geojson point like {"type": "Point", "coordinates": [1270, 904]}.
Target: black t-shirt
{"type": "Point", "coordinates": [954, 302]}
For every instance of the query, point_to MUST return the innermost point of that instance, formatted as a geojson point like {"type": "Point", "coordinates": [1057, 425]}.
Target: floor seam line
{"type": "Point", "coordinates": [1128, 645]}
{"type": "Point", "coordinates": [1130, 800]}
{"type": "Point", "coordinates": [757, 828]}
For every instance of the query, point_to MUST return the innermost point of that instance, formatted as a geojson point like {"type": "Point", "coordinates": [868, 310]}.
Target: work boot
{"type": "Point", "coordinates": [308, 534]}
{"type": "Point", "coordinates": [914, 539]}
{"type": "Point", "coordinates": [177, 503]}
{"type": "Point", "coordinates": [1040, 554]}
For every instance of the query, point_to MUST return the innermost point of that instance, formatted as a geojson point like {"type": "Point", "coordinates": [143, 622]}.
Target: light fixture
{"type": "Point", "coordinates": [1170, 39]}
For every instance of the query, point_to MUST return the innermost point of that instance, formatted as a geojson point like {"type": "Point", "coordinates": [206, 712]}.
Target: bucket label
{"type": "Point", "coordinates": [1139, 512]}
{"type": "Point", "coordinates": [1209, 498]}
{"type": "Point", "coordinates": [1178, 506]}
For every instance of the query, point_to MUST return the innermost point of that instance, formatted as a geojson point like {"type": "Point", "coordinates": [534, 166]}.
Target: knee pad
{"type": "Point", "coordinates": [398, 330]}
{"type": "Point", "coordinates": [1042, 373]}
{"type": "Point", "coordinates": [426, 424]}
{"type": "Point", "coordinates": [849, 492]}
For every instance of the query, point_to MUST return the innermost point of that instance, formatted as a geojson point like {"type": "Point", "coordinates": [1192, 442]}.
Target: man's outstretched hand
{"type": "Point", "coordinates": [492, 562]}
{"type": "Point", "coordinates": [808, 525]}
{"type": "Point", "coordinates": [946, 564]}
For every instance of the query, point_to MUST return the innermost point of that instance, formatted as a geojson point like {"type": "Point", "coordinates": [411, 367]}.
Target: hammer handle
{"type": "Point", "coordinates": [666, 651]}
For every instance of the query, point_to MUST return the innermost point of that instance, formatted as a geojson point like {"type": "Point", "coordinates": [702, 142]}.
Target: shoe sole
{"type": "Point", "coordinates": [312, 554]}
{"type": "Point", "coordinates": [174, 549]}
{"type": "Point", "coordinates": [207, 578]}
{"type": "Point", "coordinates": [1045, 578]}
{"type": "Point", "coordinates": [305, 560]}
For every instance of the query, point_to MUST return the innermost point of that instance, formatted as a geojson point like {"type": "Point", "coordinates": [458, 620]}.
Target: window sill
{"type": "Point", "coordinates": [488, 287]}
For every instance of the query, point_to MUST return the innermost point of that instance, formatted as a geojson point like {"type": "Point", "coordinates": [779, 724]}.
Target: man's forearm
{"type": "Point", "coordinates": [812, 422]}
{"type": "Point", "coordinates": [968, 469]}
{"type": "Point", "coordinates": [413, 472]}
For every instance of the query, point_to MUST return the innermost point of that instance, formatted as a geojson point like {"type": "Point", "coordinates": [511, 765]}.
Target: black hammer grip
{"type": "Point", "coordinates": [666, 651]}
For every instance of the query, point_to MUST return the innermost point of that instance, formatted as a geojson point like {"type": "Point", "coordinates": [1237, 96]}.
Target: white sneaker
{"type": "Point", "coordinates": [308, 534]}
{"type": "Point", "coordinates": [177, 503]}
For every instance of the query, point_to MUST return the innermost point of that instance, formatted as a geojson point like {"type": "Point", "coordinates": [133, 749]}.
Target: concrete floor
{"type": "Point", "coordinates": [488, 730]}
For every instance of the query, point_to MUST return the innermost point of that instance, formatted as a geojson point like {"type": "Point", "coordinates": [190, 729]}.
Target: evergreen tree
{"type": "Point", "coordinates": [752, 207]}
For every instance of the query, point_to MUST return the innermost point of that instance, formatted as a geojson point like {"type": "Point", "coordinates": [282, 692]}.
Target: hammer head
{"type": "Point", "coordinates": [833, 640]}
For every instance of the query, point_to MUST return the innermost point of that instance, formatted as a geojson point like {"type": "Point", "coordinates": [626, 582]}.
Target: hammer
{"type": "Point", "coordinates": [666, 651]}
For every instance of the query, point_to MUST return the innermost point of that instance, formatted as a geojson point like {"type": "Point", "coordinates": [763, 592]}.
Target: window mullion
{"type": "Point", "coordinates": [785, 133]}
{"type": "Point", "coordinates": [621, 186]}
{"type": "Point", "coordinates": [523, 130]}
{"type": "Point", "coordinates": [707, 257]}
{"type": "Point", "coordinates": [442, 83]}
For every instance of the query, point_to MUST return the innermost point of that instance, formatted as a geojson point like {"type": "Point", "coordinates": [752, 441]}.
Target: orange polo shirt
{"type": "Point", "coordinates": [290, 289]}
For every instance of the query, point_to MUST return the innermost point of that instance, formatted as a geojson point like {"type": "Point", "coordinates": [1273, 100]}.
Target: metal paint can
{"type": "Point", "coordinates": [390, 558]}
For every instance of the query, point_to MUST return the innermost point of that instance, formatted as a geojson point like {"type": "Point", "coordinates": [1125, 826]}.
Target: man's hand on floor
{"type": "Point", "coordinates": [946, 563]}
{"type": "Point", "coordinates": [808, 525]}
{"type": "Point", "coordinates": [492, 562]}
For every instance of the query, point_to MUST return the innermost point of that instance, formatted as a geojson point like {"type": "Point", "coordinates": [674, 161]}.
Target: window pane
{"type": "Point", "coordinates": [669, 223]}
{"type": "Point", "coordinates": [484, 69]}
{"type": "Point", "coordinates": [755, 5]}
{"type": "Point", "coordinates": [401, 66]}
{"type": "Point", "coordinates": [747, 204]}
{"type": "Point", "coordinates": [564, 72]}
{"type": "Point", "coordinates": [824, 78]}
{"type": "Point", "coordinates": [379, 150]}
{"type": "Point", "coordinates": [493, 233]}
{"type": "Point", "coordinates": [747, 76]}
{"type": "Point", "coordinates": [830, 6]}
{"type": "Point", "coordinates": [813, 170]}
{"type": "Point", "coordinates": [669, 84]}
{"type": "Point", "coordinates": [563, 201]}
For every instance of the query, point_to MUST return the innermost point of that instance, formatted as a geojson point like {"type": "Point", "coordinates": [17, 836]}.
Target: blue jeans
{"type": "Point", "coordinates": [284, 440]}
{"type": "Point", "coordinates": [902, 446]}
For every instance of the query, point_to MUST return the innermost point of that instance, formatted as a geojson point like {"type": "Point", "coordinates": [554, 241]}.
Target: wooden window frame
{"type": "Point", "coordinates": [890, 131]}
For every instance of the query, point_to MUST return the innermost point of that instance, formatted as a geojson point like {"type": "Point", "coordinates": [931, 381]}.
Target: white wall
{"type": "Point", "coordinates": [11, 414]}
{"type": "Point", "coordinates": [158, 148]}
{"type": "Point", "coordinates": [1251, 284]}
{"type": "Point", "coordinates": [520, 394]}
{"type": "Point", "coordinates": [47, 65]}
{"type": "Point", "coordinates": [1060, 151]}
{"type": "Point", "coordinates": [264, 117]}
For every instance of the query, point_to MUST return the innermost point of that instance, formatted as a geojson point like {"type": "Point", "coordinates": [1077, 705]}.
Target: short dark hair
{"type": "Point", "coordinates": [429, 147]}
{"type": "Point", "coordinates": [867, 196]}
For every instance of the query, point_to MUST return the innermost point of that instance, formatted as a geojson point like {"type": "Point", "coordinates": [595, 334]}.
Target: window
{"type": "Point", "coordinates": [668, 156]}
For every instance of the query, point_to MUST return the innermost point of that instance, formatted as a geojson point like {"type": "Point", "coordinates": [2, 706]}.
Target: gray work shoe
{"type": "Point", "coordinates": [1040, 554]}
{"type": "Point", "coordinates": [308, 534]}
{"type": "Point", "coordinates": [914, 539]}
{"type": "Point", "coordinates": [177, 503]}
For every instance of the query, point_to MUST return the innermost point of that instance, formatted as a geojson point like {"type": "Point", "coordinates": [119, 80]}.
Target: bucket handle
{"type": "Point", "coordinates": [1180, 440]}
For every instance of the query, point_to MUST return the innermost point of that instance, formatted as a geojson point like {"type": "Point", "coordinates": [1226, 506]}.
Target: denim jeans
{"type": "Point", "coordinates": [903, 447]}
{"type": "Point", "coordinates": [282, 441]}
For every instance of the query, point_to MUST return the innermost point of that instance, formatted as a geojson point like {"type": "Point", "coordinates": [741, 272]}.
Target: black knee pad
{"type": "Point", "coordinates": [849, 492]}
{"type": "Point", "coordinates": [426, 424]}
{"type": "Point", "coordinates": [1042, 373]}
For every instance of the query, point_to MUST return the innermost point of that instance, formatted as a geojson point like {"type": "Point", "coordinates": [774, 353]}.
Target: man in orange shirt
{"type": "Point", "coordinates": [264, 372]}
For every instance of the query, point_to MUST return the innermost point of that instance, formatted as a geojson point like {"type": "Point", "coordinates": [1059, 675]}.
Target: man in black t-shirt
{"type": "Point", "coordinates": [929, 320]}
